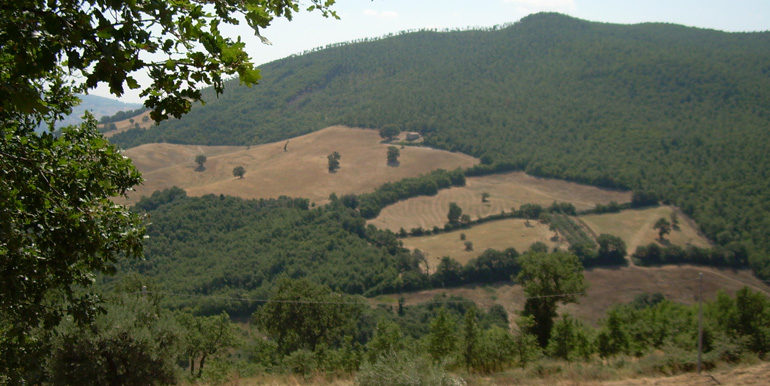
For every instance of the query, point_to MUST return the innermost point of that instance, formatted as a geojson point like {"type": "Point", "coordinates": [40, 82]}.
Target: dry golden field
{"type": "Point", "coordinates": [302, 171]}
{"type": "Point", "coordinates": [508, 190]}
{"type": "Point", "coordinates": [634, 226]}
{"type": "Point", "coordinates": [126, 124]}
{"type": "Point", "coordinates": [498, 235]}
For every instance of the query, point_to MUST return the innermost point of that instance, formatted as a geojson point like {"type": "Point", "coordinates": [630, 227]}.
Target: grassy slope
{"type": "Point", "coordinates": [508, 190]}
{"type": "Point", "coordinates": [635, 227]}
{"type": "Point", "coordinates": [608, 287]}
{"type": "Point", "coordinates": [496, 234]}
{"type": "Point", "coordinates": [299, 172]}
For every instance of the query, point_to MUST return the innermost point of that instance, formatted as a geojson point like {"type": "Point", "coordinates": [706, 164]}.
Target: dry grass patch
{"type": "Point", "coordinates": [509, 190]}
{"type": "Point", "coordinates": [126, 124]}
{"type": "Point", "coordinates": [635, 227]}
{"type": "Point", "coordinates": [498, 235]}
{"type": "Point", "coordinates": [610, 286]}
{"type": "Point", "coordinates": [302, 171]}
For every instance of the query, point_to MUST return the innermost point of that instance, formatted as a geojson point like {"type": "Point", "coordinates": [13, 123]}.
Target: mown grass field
{"type": "Point", "coordinates": [508, 190]}
{"type": "Point", "coordinates": [635, 227]}
{"type": "Point", "coordinates": [301, 171]}
{"type": "Point", "coordinates": [498, 235]}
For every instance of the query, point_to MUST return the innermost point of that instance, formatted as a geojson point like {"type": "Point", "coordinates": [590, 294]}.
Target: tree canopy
{"type": "Point", "coordinates": [59, 226]}
{"type": "Point", "coordinates": [181, 45]}
{"type": "Point", "coordinates": [549, 279]}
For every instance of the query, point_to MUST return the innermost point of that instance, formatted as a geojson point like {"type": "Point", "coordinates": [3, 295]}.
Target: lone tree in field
{"type": "Point", "coordinates": [334, 161]}
{"type": "Point", "coordinates": [200, 159]}
{"type": "Point", "coordinates": [454, 213]}
{"type": "Point", "coordinates": [663, 227]}
{"type": "Point", "coordinates": [393, 154]}
{"type": "Point", "coordinates": [388, 132]}
{"type": "Point", "coordinates": [485, 197]}
{"type": "Point", "coordinates": [239, 171]}
{"type": "Point", "coordinates": [549, 279]}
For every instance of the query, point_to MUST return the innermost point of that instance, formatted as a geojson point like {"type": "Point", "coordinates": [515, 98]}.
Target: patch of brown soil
{"type": "Point", "coordinates": [610, 286]}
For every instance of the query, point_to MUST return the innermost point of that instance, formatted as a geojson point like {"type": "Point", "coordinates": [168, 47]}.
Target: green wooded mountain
{"type": "Point", "coordinates": [679, 112]}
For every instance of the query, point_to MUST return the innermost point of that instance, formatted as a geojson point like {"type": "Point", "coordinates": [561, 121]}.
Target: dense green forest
{"type": "Point", "coordinates": [227, 246]}
{"type": "Point", "coordinates": [678, 112]}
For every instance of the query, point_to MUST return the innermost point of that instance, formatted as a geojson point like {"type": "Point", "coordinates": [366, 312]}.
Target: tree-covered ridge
{"type": "Point", "coordinates": [226, 246]}
{"type": "Point", "coordinates": [676, 111]}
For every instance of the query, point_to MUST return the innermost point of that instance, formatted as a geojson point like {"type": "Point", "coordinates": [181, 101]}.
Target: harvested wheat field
{"type": "Point", "coordinates": [143, 120]}
{"type": "Point", "coordinates": [634, 226]}
{"type": "Point", "coordinates": [301, 171]}
{"type": "Point", "coordinates": [498, 235]}
{"type": "Point", "coordinates": [607, 287]}
{"type": "Point", "coordinates": [508, 190]}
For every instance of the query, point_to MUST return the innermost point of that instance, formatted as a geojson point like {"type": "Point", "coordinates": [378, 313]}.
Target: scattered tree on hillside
{"type": "Point", "coordinates": [442, 339]}
{"type": "Point", "coordinates": [205, 337]}
{"type": "Point", "coordinates": [525, 345]}
{"type": "Point", "coordinates": [393, 154]}
{"type": "Point", "coordinates": [468, 246]}
{"type": "Point", "coordinates": [470, 341]}
{"type": "Point", "coordinates": [239, 171]}
{"type": "Point", "coordinates": [388, 132]}
{"type": "Point", "coordinates": [334, 161]}
{"type": "Point", "coordinates": [387, 338]}
{"type": "Point", "coordinates": [549, 279]}
{"type": "Point", "coordinates": [484, 197]}
{"type": "Point", "coordinates": [200, 159]}
{"type": "Point", "coordinates": [663, 227]}
{"type": "Point", "coordinates": [612, 249]}
{"type": "Point", "coordinates": [302, 314]}
{"type": "Point", "coordinates": [454, 213]}
{"type": "Point", "coordinates": [674, 221]}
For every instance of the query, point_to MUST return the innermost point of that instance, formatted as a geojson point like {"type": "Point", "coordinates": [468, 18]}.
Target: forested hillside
{"type": "Point", "coordinates": [676, 111]}
{"type": "Point", "coordinates": [227, 246]}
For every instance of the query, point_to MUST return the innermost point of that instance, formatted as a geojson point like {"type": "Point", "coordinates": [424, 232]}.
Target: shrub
{"type": "Point", "coordinates": [405, 369]}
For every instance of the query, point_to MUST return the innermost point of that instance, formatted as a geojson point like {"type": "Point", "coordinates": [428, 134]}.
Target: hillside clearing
{"type": "Point", "coordinates": [634, 226]}
{"type": "Point", "coordinates": [301, 171]}
{"type": "Point", "coordinates": [498, 235]}
{"type": "Point", "coordinates": [508, 190]}
{"type": "Point", "coordinates": [607, 287]}
{"type": "Point", "coordinates": [143, 120]}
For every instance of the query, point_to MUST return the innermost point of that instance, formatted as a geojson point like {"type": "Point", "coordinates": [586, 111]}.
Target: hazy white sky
{"type": "Point", "coordinates": [372, 18]}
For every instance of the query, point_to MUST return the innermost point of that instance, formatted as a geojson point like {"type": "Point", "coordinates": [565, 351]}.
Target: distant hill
{"type": "Point", "coordinates": [98, 106]}
{"type": "Point", "coordinates": [679, 112]}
